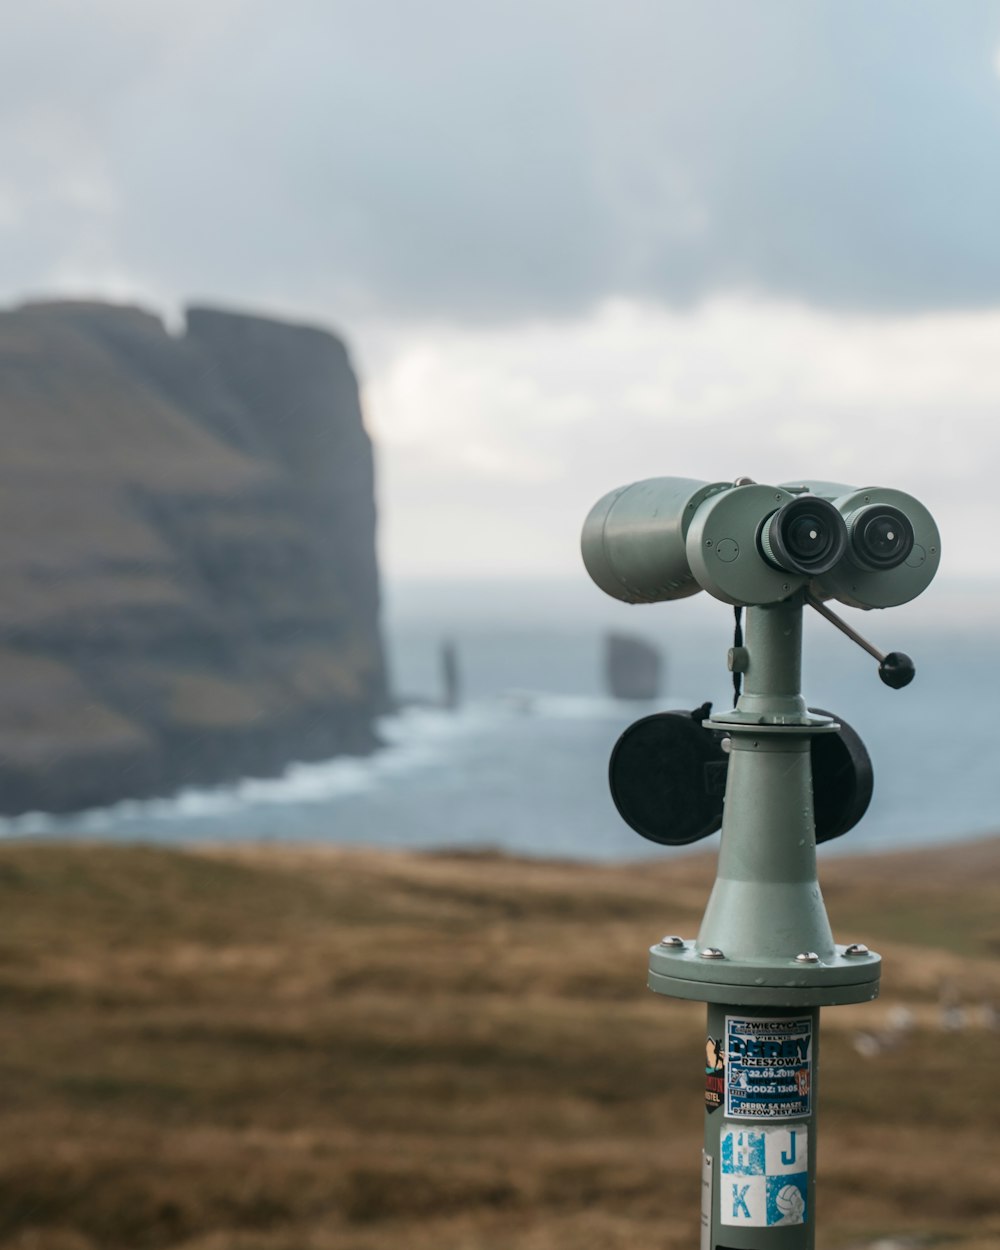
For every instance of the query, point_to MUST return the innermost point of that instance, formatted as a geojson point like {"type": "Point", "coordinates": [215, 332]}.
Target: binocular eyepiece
{"type": "Point", "coordinates": [882, 536]}
{"type": "Point", "coordinates": [806, 536]}
{"type": "Point", "coordinates": [810, 536]}
{"type": "Point", "coordinates": [745, 543]}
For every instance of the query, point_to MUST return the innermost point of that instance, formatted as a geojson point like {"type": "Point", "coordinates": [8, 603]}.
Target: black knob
{"type": "Point", "coordinates": [896, 670]}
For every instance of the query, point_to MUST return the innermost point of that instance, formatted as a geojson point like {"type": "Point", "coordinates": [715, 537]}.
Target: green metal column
{"type": "Point", "coordinates": [764, 960]}
{"type": "Point", "coordinates": [759, 1173]}
{"type": "Point", "coordinates": [766, 900]}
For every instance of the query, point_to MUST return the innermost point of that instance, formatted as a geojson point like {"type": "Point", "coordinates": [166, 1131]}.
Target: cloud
{"type": "Point", "coordinates": [473, 160]}
{"type": "Point", "coordinates": [496, 442]}
{"type": "Point", "coordinates": [574, 245]}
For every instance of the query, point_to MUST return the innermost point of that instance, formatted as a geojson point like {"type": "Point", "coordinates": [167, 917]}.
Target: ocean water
{"type": "Point", "coordinates": [521, 765]}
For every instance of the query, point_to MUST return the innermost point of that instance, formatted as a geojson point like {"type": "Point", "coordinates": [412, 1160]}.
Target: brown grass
{"type": "Point", "coordinates": [299, 1050]}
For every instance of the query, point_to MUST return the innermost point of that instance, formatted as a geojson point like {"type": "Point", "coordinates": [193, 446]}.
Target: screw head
{"type": "Point", "coordinates": [672, 940]}
{"type": "Point", "coordinates": [807, 957]}
{"type": "Point", "coordinates": [711, 952]}
{"type": "Point", "coordinates": [856, 949]}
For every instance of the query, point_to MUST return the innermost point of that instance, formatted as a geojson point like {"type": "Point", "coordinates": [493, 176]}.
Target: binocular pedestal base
{"type": "Point", "coordinates": [685, 969]}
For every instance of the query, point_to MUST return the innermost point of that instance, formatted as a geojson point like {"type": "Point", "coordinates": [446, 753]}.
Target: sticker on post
{"type": "Point", "coordinates": [706, 1201]}
{"type": "Point", "coordinates": [768, 1068]}
{"type": "Point", "coordinates": [764, 1176]}
{"type": "Point", "coordinates": [715, 1072]}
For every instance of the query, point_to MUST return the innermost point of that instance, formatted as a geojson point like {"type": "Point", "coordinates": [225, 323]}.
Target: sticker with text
{"type": "Point", "coordinates": [706, 1201]}
{"type": "Point", "coordinates": [715, 1072]}
{"type": "Point", "coordinates": [768, 1068]}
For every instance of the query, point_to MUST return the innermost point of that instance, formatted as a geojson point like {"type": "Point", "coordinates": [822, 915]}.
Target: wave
{"type": "Point", "coordinates": [415, 739]}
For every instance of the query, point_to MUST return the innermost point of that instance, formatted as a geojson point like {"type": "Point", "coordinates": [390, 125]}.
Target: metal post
{"type": "Point", "coordinates": [764, 960]}
{"type": "Point", "coordinates": [761, 1174]}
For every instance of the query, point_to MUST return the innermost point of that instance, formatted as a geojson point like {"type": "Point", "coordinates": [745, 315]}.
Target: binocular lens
{"type": "Point", "coordinates": [882, 537]}
{"type": "Point", "coordinates": [806, 536]}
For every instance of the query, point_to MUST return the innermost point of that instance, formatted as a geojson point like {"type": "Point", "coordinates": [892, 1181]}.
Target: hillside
{"type": "Point", "coordinates": [187, 555]}
{"type": "Point", "coordinates": [274, 1049]}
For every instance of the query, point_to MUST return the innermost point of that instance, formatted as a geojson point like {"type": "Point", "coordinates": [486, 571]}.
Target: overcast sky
{"type": "Point", "coordinates": [569, 244]}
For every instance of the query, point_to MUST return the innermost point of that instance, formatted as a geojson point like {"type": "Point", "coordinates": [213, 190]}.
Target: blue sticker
{"type": "Point", "coordinates": [764, 1175]}
{"type": "Point", "coordinates": [768, 1068]}
{"type": "Point", "coordinates": [786, 1199]}
{"type": "Point", "coordinates": [743, 1152]}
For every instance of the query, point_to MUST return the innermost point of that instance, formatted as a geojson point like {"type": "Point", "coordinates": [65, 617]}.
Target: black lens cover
{"type": "Point", "coordinates": [843, 780]}
{"type": "Point", "coordinates": [668, 777]}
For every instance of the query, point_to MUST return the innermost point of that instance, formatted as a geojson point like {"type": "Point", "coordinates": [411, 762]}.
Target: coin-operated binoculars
{"type": "Point", "coordinates": [779, 777]}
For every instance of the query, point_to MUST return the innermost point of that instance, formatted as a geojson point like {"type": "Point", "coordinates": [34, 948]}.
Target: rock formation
{"type": "Point", "coordinates": [632, 667]}
{"type": "Point", "coordinates": [188, 585]}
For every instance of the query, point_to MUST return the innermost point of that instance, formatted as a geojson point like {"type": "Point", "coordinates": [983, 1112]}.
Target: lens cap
{"type": "Point", "coordinates": [843, 779]}
{"type": "Point", "coordinates": [668, 778]}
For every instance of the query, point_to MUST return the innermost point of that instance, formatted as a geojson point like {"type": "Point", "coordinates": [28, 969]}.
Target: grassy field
{"type": "Point", "coordinates": [299, 1050]}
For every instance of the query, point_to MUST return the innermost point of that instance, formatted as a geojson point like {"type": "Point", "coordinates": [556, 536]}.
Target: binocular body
{"type": "Point", "coordinates": [749, 544]}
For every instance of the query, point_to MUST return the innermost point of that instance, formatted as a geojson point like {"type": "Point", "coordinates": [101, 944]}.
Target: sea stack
{"type": "Point", "coordinates": [633, 667]}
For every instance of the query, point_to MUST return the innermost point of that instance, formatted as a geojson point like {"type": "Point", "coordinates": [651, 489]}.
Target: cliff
{"type": "Point", "coordinates": [187, 559]}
